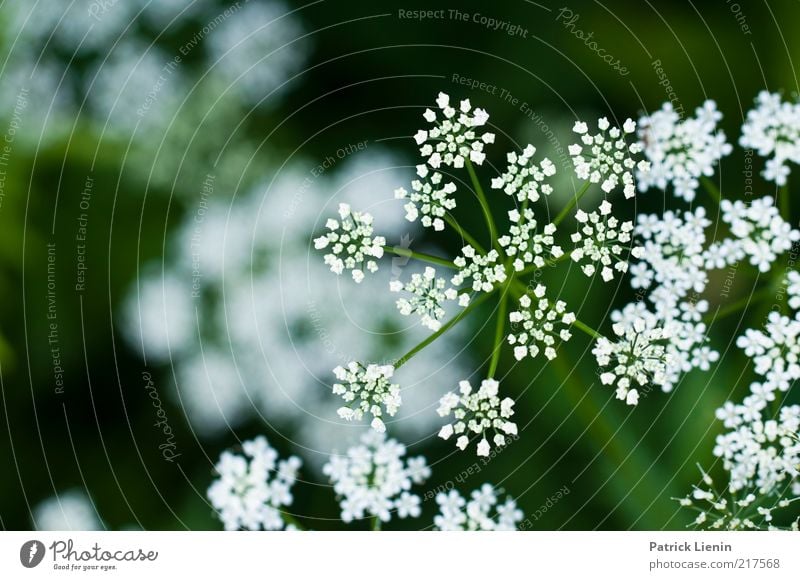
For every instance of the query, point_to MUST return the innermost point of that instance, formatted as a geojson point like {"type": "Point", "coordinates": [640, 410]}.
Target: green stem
{"type": "Point", "coordinates": [712, 189]}
{"type": "Point", "coordinates": [465, 235]}
{"type": "Point", "coordinates": [547, 264]}
{"type": "Point", "coordinates": [444, 328]}
{"type": "Point", "coordinates": [487, 212]}
{"type": "Point", "coordinates": [290, 519]}
{"type": "Point", "coordinates": [784, 200]}
{"type": "Point", "coordinates": [405, 252]}
{"type": "Point", "coordinates": [499, 328]}
{"type": "Point", "coordinates": [740, 304]}
{"type": "Point", "coordinates": [572, 203]}
{"type": "Point", "coordinates": [376, 524]}
{"type": "Point", "coordinates": [587, 329]}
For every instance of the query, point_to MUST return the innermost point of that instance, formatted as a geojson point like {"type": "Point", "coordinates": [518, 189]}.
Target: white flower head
{"type": "Point", "coordinates": [525, 244]}
{"type": "Point", "coordinates": [480, 272]}
{"type": "Point", "coordinates": [602, 241]}
{"type": "Point", "coordinates": [534, 326]}
{"type": "Point", "coordinates": [681, 151]}
{"type": "Point", "coordinates": [253, 487]}
{"type": "Point", "coordinates": [523, 179]}
{"type": "Point", "coordinates": [480, 413]}
{"type": "Point", "coordinates": [638, 358]}
{"type": "Point", "coordinates": [429, 293]}
{"type": "Point", "coordinates": [367, 390]}
{"type": "Point", "coordinates": [429, 198]}
{"type": "Point", "coordinates": [455, 136]}
{"type": "Point", "coordinates": [482, 512]}
{"type": "Point", "coordinates": [606, 157]}
{"type": "Point", "coordinates": [351, 244]}
{"type": "Point", "coordinates": [373, 479]}
{"type": "Point", "coordinates": [772, 128]}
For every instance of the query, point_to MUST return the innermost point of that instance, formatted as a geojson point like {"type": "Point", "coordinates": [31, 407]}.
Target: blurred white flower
{"type": "Point", "coordinates": [71, 510]}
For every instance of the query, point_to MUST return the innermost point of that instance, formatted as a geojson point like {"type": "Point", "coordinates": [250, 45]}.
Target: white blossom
{"type": "Point", "coordinates": [534, 325]}
{"type": "Point", "coordinates": [454, 137]}
{"type": "Point", "coordinates": [606, 157]}
{"type": "Point", "coordinates": [793, 289]}
{"type": "Point", "coordinates": [681, 151]}
{"type": "Point", "coordinates": [252, 488]}
{"type": "Point", "coordinates": [638, 358]}
{"type": "Point", "coordinates": [772, 128]}
{"type": "Point", "coordinates": [602, 239]}
{"type": "Point", "coordinates": [480, 413]}
{"type": "Point", "coordinates": [367, 390]}
{"type": "Point", "coordinates": [431, 198]}
{"type": "Point", "coordinates": [373, 479]}
{"type": "Point", "coordinates": [351, 243]}
{"type": "Point", "coordinates": [523, 179]}
{"type": "Point", "coordinates": [428, 295]}
{"type": "Point", "coordinates": [525, 245]}
{"type": "Point", "coordinates": [481, 272]}
{"type": "Point", "coordinates": [482, 512]}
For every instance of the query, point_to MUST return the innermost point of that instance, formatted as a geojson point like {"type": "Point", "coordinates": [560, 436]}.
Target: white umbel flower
{"type": "Point", "coordinates": [760, 232]}
{"type": "Point", "coordinates": [430, 198]}
{"type": "Point", "coordinates": [525, 244]}
{"type": "Point", "coordinates": [523, 179]}
{"type": "Point", "coordinates": [454, 137]}
{"type": "Point", "coordinates": [775, 351]}
{"type": "Point", "coordinates": [603, 240]}
{"type": "Point", "coordinates": [481, 413]}
{"type": "Point", "coordinates": [482, 512]}
{"type": "Point", "coordinates": [606, 157]}
{"type": "Point", "coordinates": [429, 293]}
{"type": "Point", "coordinates": [351, 243]}
{"type": "Point", "coordinates": [534, 325]}
{"type": "Point", "coordinates": [481, 272]}
{"type": "Point", "coordinates": [367, 390]}
{"type": "Point", "coordinates": [373, 479]}
{"type": "Point", "coordinates": [681, 151]}
{"type": "Point", "coordinates": [772, 128]}
{"type": "Point", "coordinates": [253, 487]}
{"type": "Point", "coordinates": [636, 359]}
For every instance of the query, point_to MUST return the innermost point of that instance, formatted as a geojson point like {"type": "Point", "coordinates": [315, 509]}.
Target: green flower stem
{"type": "Point", "coordinates": [499, 328]}
{"type": "Point", "coordinates": [405, 252]}
{"type": "Point", "coordinates": [572, 203]}
{"type": "Point", "coordinates": [444, 328]}
{"type": "Point", "coordinates": [487, 212]}
{"type": "Point", "coordinates": [711, 188]}
{"type": "Point", "coordinates": [465, 235]}
{"type": "Point", "coordinates": [290, 519]}
{"type": "Point", "coordinates": [785, 202]}
{"type": "Point", "coordinates": [740, 304]}
{"type": "Point", "coordinates": [376, 524]}
{"type": "Point", "coordinates": [587, 329]}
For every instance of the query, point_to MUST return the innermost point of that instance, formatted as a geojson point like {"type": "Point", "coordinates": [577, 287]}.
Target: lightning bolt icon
{"type": "Point", "coordinates": [34, 549]}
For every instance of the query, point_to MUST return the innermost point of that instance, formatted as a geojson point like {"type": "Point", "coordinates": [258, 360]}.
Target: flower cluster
{"type": "Point", "coordinates": [431, 198]}
{"type": "Point", "coordinates": [525, 245]}
{"type": "Point", "coordinates": [681, 151]}
{"type": "Point", "coordinates": [772, 128]}
{"type": "Point", "coordinates": [638, 358]}
{"type": "Point", "coordinates": [252, 488]}
{"type": "Point", "coordinates": [367, 390]}
{"type": "Point", "coordinates": [477, 412]}
{"type": "Point", "coordinates": [453, 139]}
{"type": "Point", "coordinates": [429, 293]}
{"type": "Point", "coordinates": [374, 479]}
{"type": "Point", "coordinates": [793, 289]}
{"type": "Point", "coordinates": [760, 233]}
{"type": "Point", "coordinates": [523, 179]}
{"type": "Point", "coordinates": [602, 239]}
{"type": "Point", "coordinates": [351, 243]}
{"type": "Point", "coordinates": [482, 512]}
{"type": "Point", "coordinates": [538, 318]}
{"type": "Point", "coordinates": [482, 271]}
{"type": "Point", "coordinates": [606, 157]}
